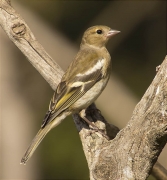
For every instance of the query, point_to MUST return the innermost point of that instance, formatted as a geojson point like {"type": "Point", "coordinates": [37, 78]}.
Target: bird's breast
{"type": "Point", "coordinates": [90, 96]}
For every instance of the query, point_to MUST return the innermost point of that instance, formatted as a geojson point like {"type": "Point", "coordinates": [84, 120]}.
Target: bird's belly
{"type": "Point", "coordinates": [89, 97]}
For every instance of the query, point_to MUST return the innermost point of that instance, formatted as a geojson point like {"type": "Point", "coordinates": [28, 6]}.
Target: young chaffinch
{"type": "Point", "coordinates": [82, 83]}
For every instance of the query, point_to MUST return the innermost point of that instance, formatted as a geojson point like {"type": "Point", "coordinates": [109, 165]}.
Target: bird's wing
{"type": "Point", "coordinates": [73, 85]}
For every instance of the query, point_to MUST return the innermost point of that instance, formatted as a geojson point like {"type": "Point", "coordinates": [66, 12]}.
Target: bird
{"type": "Point", "coordinates": [82, 83]}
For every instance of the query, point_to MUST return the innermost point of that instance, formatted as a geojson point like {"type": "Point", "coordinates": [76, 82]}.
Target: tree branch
{"type": "Point", "coordinates": [159, 172]}
{"type": "Point", "coordinates": [19, 33]}
{"type": "Point", "coordinates": [135, 149]}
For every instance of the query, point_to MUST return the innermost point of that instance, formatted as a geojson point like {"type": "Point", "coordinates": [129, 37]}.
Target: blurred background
{"type": "Point", "coordinates": [25, 95]}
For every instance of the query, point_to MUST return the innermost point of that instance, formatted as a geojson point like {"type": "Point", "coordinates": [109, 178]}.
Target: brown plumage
{"type": "Point", "coordinates": [82, 83]}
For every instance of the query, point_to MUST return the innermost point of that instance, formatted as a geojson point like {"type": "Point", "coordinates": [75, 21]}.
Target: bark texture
{"type": "Point", "coordinates": [135, 149]}
{"type": "Point", "coordinates": [131, 153]}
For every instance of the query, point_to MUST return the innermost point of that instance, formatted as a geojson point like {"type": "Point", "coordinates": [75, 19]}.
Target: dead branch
{"type": "Point", "coordinates": [135, 149]}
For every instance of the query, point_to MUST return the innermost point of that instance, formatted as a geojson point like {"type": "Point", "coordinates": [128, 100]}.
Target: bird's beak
{"type": "Point", "coordinates": [112, 33]}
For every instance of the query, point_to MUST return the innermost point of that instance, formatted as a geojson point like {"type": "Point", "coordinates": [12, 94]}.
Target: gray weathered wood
{"type": "Point", "coordinates": [135, 149]}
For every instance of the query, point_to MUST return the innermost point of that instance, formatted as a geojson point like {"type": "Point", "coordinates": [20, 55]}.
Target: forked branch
{"type": "Point", "coordinates": [133, 152]}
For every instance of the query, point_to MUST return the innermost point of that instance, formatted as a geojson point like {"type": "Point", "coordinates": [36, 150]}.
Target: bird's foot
{"type": "Point", "coordinates": [94, 127]}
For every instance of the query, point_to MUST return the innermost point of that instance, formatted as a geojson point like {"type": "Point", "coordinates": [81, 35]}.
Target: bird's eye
{"type": "Point", "coordinates": [99, 31]}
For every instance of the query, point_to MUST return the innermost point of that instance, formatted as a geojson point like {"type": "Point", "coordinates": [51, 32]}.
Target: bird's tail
{"type": "Point", "coordinates": [35, 142]}
{"type": "Point", "coordinates": [39, 137]}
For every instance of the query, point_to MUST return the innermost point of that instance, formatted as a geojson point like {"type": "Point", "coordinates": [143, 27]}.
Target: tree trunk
{"type": "Point", "coordinates": [130, 153]}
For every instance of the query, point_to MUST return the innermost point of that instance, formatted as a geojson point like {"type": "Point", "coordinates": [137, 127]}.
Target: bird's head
{"type": "Point", "coordinates": [98, 36]}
